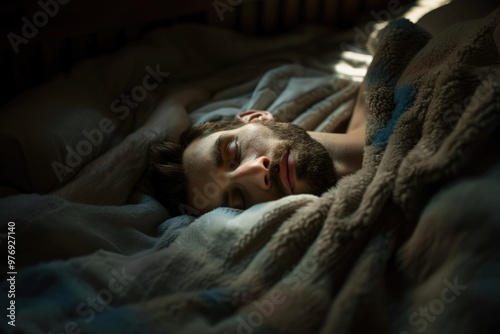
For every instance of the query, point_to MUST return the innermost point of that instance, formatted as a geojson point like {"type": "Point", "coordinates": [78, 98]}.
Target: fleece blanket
{"type": "Point", "coordinates": [405, 245]}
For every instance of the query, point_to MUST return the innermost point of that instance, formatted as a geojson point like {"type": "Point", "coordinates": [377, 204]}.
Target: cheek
{"type": "Point", "coordinates": [258, 147]}
{"type": "Point", "coordinates": [203, 194]}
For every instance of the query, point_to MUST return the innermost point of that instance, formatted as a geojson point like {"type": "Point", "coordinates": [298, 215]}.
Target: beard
{"type": "Point", "coordinates": [313, 163]}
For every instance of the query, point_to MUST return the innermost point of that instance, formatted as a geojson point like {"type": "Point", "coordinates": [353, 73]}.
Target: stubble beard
{"type": "Point", "coordinates": [313, 163]}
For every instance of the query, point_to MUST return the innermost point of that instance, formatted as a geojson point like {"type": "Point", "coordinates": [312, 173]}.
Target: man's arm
{"type": "Point", "coordinates": [358, 118]}
{"type": "Point", "coordinates": [110, 179]}
{"type": "Point", "coordinates": [346, 149]}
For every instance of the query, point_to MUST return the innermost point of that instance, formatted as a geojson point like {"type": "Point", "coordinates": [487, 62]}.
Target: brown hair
{"type": "Point", "coordinates": [166, 173]}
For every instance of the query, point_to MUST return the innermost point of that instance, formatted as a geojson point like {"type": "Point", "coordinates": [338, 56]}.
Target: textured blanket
{"type": "Point", "coordinates": [405, 245]}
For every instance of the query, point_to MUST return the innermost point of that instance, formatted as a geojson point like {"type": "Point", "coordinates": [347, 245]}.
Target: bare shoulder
{"type": "Point", "coordinates": [358, 119]}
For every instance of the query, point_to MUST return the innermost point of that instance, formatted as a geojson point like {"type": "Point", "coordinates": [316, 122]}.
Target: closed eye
{"type": "Point", "coordinates": [234, 151]}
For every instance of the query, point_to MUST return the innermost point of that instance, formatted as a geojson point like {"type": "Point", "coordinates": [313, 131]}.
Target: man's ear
{"type": "Point", "coordinates": [255, 116]}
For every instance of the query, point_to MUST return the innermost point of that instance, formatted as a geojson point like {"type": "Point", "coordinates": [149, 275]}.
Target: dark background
{"type": "Point", "coordinates": [88, 28]}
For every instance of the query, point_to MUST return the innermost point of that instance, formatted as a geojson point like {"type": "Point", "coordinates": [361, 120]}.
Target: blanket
{"type": "Point", "coordinates": [406, 244]}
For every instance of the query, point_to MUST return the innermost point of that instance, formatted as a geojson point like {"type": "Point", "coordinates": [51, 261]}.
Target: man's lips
{"type": "Point", "coordinates": [287, 172]}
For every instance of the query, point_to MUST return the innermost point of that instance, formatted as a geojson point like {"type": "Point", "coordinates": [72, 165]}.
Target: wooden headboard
{"type": "Point", "coordinates": [68, 31]}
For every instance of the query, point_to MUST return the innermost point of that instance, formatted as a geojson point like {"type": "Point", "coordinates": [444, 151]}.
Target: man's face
{"type": "Point", "coordinates": [256, 163]}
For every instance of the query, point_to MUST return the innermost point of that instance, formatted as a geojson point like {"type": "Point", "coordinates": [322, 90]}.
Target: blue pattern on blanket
{"type": "Point", "coordinates": [54, 282]}
{"type": "Point", "coordinates": [381, 73]}
{"type": "Point", "coordinates": [56, 288]}
{"type": "Point", "coordinates": [217, 299]}
{"type": "Point", "coordinates": [403, 23]}
{"type": "Point", "coordinates": [117, 320]}
{"type": "Point", "coordinates": [51, 279]}
{"type": "Point", "coordinates": [403, 100]}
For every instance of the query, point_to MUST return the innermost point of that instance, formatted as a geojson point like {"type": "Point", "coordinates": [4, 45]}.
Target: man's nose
{"type": "Point", "coordinates": [255, 172]}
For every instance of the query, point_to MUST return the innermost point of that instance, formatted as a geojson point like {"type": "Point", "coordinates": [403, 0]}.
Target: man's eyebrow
{"type": "Point", "coordinates": [218, 148]}
{"type": "Point", "coordinates": [217, 151]}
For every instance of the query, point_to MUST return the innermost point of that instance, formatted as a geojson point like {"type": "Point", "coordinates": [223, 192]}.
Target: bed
{"type": "Point", "coordinates": [406, 244]}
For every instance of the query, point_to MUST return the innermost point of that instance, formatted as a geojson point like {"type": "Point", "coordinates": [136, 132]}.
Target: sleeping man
{"type": "Point", "coordinates": [193, 170]}
{"type": "Point", "coordinates": [250, 161]}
